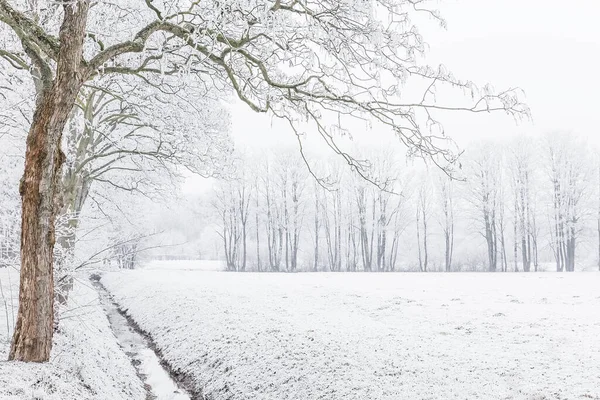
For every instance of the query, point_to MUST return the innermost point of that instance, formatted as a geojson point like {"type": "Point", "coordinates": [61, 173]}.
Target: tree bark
{"type": "Point", "coordinates": [32, 339]}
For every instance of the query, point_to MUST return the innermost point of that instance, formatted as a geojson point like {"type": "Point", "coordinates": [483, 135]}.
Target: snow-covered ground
{"type": "Point", "coordinates": [372, 336]}
{"type": "Point", "coordinates": [86, 362]}
{"type": "Point", "coordinates": [196, 265]}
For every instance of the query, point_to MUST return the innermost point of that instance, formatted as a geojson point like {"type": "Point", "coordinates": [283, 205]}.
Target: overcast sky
{"type": "Point", "coordinates": [549, 48]}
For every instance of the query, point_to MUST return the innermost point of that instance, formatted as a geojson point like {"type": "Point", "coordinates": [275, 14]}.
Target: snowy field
{"type": "Point", "coordinates": [372, 336]}
{"type": "Point", "coordinates": [86, 363]}
{"type": "Point", "coordinates": [204, 265]}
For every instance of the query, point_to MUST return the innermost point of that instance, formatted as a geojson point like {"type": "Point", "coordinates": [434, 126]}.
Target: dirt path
{"type": "Point", "coordinates": [157, 380]}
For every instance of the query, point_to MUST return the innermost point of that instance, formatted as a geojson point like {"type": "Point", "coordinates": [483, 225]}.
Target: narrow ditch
{"type": "Point", "coordinates": [158, 381]}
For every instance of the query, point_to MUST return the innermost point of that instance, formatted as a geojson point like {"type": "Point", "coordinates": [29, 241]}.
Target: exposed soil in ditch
{"type": "Point", "coordinates": [161, 382]}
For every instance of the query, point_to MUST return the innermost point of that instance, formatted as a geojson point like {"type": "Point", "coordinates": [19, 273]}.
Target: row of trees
{"type": "Point", "coordinates": [515, 206]}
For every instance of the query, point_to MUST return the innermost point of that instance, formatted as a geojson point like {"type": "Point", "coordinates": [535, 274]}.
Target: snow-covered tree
{"type": "Point", "coordinates": [297, 60]}
{"type": "Point", "coordinates": [423, 214]}
{"type": "Point", "coordinates": [524, 178]}
{"type": "Point", "coordinates": [569, 172]}
{"type": "Point", "coordinates": [484, 169]}
{"type": "Point", "coordinates": [446, 199]}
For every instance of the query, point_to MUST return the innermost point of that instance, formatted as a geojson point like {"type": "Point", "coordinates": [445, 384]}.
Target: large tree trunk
{"type": "Point", "coordinates": [32, 340]}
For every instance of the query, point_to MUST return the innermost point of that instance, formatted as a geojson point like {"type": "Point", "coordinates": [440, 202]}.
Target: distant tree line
{"type": "Point", "coordinates": [527, 205]}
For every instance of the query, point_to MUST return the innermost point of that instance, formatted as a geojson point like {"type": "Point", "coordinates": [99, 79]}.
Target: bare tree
{"type": "Point", "coordinates": [352, 236]}
{"type": "Point", "coordinates": [485, 197]}
{"type": "Point", "coordinates": [227, 205]}
{"type": "Point", "coordinates": [317, 213]}
{"type": "Point", "coordinates": [446, 195]}
{"type": "Point", "coordinates": [522, 171]}
{"type": "Point", "coordinates": [423, 215]}
{"type": "Point", "coordinates": [501, 229]}
{"type": "Point", "coordinates": [385, 173]}
{"type": "Point", "coordinates": [274, 223]}
{"type": "Point", "coordinates": [332, 219]}
{"type": "Point", "coordinates": [568, 173]}
{"type": "Point", "coordinates": [297, 181]}
{"type": "Point", "coordinates": [243, 200]}
{"type": "Point", "coordinates": [366, 233]}
{"type": "Point", "coordinates": [515, 230]}
{"type": "Point", "coordinates": [115, 133]}
{"type": "Point", "coordinates": [125, 250]}
{"type": "Point", "coordinates": [257, 224]}
{"type": "Point", "coordinates": [399, 216]}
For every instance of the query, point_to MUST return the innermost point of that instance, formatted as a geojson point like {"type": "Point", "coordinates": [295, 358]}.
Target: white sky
{"type": "Point", "coordinates": [549, 48]}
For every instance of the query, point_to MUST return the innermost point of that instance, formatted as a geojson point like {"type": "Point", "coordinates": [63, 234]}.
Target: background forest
{"type": "Point", "coordinates": [528, 203]}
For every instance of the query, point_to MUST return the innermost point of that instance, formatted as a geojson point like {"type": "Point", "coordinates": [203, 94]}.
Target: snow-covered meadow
{"type": "Point", "coordinates": [372, 336]}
